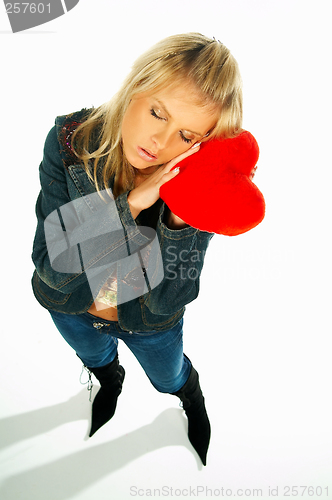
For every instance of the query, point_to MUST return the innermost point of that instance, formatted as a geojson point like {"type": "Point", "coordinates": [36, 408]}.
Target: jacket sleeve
{"type": "Point", "coordinates": [73, 236]}
{"type": "Point", "coordinates": [183, 253]}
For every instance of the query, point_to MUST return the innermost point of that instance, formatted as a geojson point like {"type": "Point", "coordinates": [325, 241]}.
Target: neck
{"type": "Point", "coordinates": [145, 172]}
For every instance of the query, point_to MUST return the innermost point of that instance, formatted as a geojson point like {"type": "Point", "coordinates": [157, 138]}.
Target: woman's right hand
{"type": "Point", "coordinates": [147, 193]}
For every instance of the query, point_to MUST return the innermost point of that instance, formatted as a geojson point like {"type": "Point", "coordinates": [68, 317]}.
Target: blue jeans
{"type": "Point", "coordinates": [95, 341]}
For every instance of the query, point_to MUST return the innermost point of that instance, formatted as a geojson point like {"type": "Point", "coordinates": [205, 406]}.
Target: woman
{"type": "Point", "coordinates": [112, 261]}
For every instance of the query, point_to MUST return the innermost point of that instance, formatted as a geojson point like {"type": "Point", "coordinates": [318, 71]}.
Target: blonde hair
{"type": "Point", "coordinates": [206, 63]}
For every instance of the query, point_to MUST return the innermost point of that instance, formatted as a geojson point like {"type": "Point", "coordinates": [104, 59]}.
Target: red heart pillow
{"type": "Point", "coordinates": [214, 191]}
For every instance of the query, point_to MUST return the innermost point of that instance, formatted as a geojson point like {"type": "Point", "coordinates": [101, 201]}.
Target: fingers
{"type": "Point", "coordinates": [147, 192]}
{"type": "Point", "coordinates": [184, 155]}
{"type": "Point", "coordinates": [169, 171]}
{"type": "Point", "coordinates": [171, 164]}
{"type": "Point", "coordinates": [169, 175]}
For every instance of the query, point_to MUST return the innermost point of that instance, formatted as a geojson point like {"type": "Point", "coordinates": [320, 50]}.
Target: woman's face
{"type": "Point", "coordinates": [160, 126]}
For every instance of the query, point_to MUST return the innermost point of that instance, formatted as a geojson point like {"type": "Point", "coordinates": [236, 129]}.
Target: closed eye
{"type": "Point", "coordinates": [183, 137]}
{"type": "Point", "coordinates": [154, 114]}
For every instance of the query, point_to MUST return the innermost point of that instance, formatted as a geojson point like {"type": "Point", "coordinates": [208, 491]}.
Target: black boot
{"type": "Point", "coordinates": [199, 429]}
{"type": "Point", "coordinates": [103, 407]}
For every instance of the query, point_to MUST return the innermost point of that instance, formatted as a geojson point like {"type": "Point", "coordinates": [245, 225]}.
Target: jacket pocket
{"type": "Point", "coordinates": [47, 296]}
{"type": "Point", "coordinates": [159, 322]}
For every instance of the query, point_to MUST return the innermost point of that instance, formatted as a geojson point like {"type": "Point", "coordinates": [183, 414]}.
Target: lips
{"type": "Point", "coordinates": [146, 154]}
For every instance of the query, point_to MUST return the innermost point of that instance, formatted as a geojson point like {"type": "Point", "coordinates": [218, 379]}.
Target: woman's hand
{"type": "Point", "coordinates": [147, 193]}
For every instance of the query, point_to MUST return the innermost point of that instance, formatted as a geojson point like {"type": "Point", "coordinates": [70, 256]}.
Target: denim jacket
{"type": "Point", "coordinates": [65, 285]}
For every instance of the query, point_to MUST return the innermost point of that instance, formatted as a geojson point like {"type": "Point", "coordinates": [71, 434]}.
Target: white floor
{"type": "Point", "coordinates": [264, 362]}
{"type": "Point", "coordinates": [260, 332]}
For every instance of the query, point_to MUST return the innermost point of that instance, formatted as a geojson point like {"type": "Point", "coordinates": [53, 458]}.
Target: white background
{"type": "Point", "coordinates": [260, 332]}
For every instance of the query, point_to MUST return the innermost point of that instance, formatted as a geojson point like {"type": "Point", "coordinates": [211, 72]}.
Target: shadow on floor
{"type": "Point", "coordinates": [67, 476]}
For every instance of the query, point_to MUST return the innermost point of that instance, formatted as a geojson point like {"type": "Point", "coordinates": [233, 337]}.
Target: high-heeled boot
{"type": "Point", "coordinates": [103, 407]}
{"type": "Point", "coordinates": [199, 429]}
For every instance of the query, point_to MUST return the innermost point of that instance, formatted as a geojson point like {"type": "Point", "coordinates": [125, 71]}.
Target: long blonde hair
{"type": "Point", "coordinates": [191, 57]}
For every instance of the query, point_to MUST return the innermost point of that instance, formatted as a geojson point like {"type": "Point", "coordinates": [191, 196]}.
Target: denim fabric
{"type": "Point", "coordinates": [159, 353]}
{"type": "Point", "coordinates": [182, 251]}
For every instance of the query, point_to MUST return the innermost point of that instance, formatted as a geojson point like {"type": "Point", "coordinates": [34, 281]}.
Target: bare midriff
{"type": "Point", "coordinates": [109, 313]}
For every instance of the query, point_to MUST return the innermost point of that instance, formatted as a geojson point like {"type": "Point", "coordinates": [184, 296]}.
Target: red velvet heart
{"type": "Point", "coordinates": [214, 191]}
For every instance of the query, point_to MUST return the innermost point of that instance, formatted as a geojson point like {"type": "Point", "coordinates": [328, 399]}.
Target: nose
{"type": "Point", "coordinates": [161, 139]}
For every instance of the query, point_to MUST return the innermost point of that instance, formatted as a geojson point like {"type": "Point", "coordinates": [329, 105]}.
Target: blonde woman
{"type": "Point", "coordinates": [112, 261]}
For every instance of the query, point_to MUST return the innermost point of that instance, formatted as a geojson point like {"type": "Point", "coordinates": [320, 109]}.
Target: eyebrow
{"type": "Point", "coordinates": [170, 116]}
